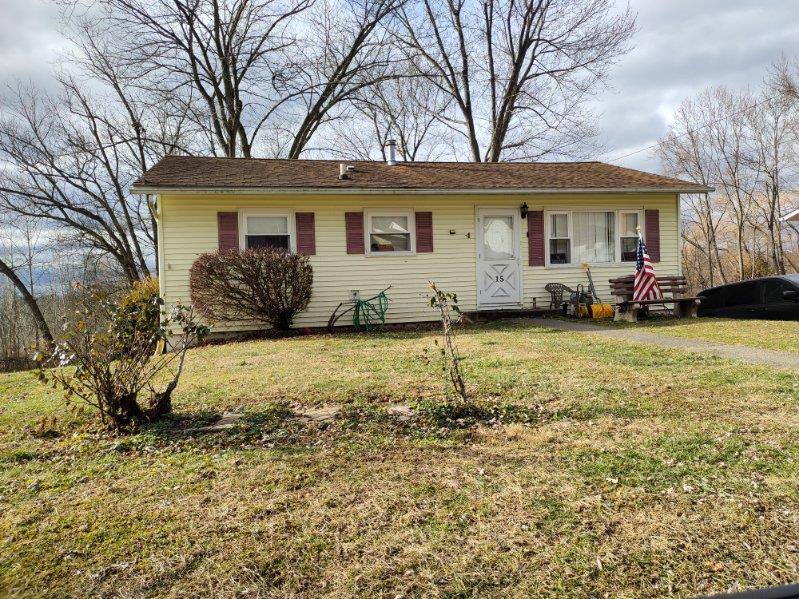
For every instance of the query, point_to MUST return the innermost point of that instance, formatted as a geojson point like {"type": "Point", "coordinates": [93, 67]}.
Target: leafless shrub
{"type": "Point", "coordinates": [107, 363]}
{"type": "Point", "coordinates": [266, 285]}
{"type": "Point", "coordinates": [447, 304]}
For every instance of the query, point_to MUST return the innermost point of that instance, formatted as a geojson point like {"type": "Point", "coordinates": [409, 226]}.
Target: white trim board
{"type": "Point", "coordinates": [791, 216]}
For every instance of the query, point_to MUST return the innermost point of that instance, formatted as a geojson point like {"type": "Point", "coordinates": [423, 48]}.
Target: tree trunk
{"type": "Point", "coordinates": [127, 412]}
{"type": "Point", "coordinates": [33, 306]}
{"type": "Point", "coordinates": [162, 403]}
{"type": "Point", "coordinates": [741, 275]}
{"type": "Point", "coordinates": [709, 259]}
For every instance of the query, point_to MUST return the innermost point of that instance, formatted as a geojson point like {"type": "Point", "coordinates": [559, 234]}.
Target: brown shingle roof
{"type": "Point", "coordinates": [190, 172]}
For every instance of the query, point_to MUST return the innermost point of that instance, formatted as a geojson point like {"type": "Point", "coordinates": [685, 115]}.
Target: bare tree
{"type": "Point", "coordinates": [773, 131]}
{"type": "Point", "coordinates": [405, 109]}
{"type": "Point", "coordinates": [224, 56]}
{"type": "Point", "coordinates": [684, 152]}
{"type": "Point", "coordinates": [746, 146]}
{"type": "Point", "coordinates": [737, 173]}
{"type": "Point", "coordinates": [347, 50]}
{"type": "Point", "coordinates": [784, 78]}
{"type": "Point", "coordinates": [518, 73]}
{"type": "Point", "coordinates": [256, 74]}
{"type": "Point", "coordinates": [25, 232]}
{"type": "Point", "coordinates": [66, 170]}
{"type": "Point", "coordinates": [71, 155]}
{"type": "Point", "coordinates": [29, 300]}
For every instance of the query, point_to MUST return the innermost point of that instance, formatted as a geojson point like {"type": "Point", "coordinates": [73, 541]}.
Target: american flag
{"type": "Point", "coordinates": [646, 285]}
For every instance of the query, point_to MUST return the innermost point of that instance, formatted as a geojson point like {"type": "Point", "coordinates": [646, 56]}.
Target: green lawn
{"type": "Point", "coordinates": [765, 334]}
{"type": "Point", "coordinates": [611, 469]}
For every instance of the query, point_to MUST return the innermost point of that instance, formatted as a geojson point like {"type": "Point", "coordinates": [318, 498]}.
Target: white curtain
{"type": "Point", "coordinates": [593, 237]}
{"type": "Point", "coordinates": [267, 225]}
{"type": "Point", "coordinates": [390, 224]}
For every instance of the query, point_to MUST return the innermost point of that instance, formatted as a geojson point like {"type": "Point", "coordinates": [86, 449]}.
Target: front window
{"type": "Point", "coordinates": [594, 237]}
{"type": "Point", "coordinates": [267, 231]}
{"type": "Point", "coordinates": [743, 294]}
{"type": "Point", "coordinates": [575, 237]}
{"type": "Point", "coordinates": [559, 238]}
{"type": "Point", "coordinates": [628, 235]}
{"type": "Point", "coordinates": [390, 232]}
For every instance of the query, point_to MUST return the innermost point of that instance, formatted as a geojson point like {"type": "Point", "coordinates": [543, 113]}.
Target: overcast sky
{"type": "Point", "coordinates": [681, 47]}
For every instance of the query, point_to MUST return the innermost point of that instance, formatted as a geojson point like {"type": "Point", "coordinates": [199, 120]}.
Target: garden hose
{"type": "Point", "coordinates": [370, 311]}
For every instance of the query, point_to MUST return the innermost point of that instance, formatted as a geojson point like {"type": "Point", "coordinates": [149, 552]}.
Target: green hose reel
{"type": "Point", "coordinates": [368, 312]}
{"type": "Point", "coordinates": [365, 312]}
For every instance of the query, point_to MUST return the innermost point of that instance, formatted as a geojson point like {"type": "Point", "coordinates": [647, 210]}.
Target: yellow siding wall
{"type": "Point", "coordinates": [189, 227]}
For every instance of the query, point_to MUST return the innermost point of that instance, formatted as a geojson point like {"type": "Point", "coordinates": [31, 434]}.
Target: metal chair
{"type": "Point", "coordinates": [556, 291]}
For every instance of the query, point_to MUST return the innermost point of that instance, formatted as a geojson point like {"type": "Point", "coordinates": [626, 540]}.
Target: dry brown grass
{"type": "Point", "coordinates": [766, 334]}
{"type": "Point", "coordinates": [645, 474]}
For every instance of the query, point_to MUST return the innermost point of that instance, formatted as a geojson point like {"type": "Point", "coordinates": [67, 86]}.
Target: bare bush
{"type": "Point", "coordinates": [265, 284]}
{"type": "Point", "coordinates": [447, 304]}
{"type": "Point", "coordinates": [138, 312]}
{"type": "Point", "coordinates": [110, 366]}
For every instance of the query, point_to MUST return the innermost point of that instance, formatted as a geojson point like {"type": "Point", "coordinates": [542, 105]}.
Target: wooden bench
{"type": "Point", "coordinates": [627, 309]}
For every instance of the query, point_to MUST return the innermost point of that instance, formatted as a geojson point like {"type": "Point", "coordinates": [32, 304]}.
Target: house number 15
{"type": "Point", "coordinates": [500, 278]}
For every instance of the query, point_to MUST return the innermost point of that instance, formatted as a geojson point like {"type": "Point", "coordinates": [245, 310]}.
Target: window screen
{"type": "Point", "coordinates": [498, 237]}
{"type": "Point", "coordinates": [559, 241]}
{"type": "Point", "coordinates": [390, 234]}
{"type": "Point", "coordinates": [267, 231]}
{"type": "Point", "coordinates": [593, 236]}
{"type": "Point", "coordinates": [628, 235]}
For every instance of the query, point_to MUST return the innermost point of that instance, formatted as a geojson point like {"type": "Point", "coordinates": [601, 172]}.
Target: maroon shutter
{"type": "Point", "coordinates": [353, 225]}
{"type": "Point", "coordinates": [424, 231]}
{"type": "Point", "coordinates": [306, 233]}
{"type": "Point", "coordinates": [535, 237]}
{"type": "Point", "coordinates": [228, 230]}
{"type": "Point", "coordinates": [652, 233]}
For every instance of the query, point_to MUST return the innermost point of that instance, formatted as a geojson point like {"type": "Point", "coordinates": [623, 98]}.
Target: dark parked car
{"type": "Point", "coordinates": [775, 298]}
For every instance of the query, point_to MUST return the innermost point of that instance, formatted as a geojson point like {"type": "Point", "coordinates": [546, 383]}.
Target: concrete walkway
{"type": "Point", "coordinates": [780, 359]}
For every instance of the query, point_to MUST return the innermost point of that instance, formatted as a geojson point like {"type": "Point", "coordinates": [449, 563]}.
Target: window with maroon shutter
{"type": "Point", "coordinates": [390, 232]}
{"type": "Point", "coordinates": [535, 237]}
{"type": "Point", "coordinates": [228, 230]}
{"type": "Point", "coordinates": [306, 233]}
{"type": "Point", "coordinates": [268, 230]}
{"type": "Point", "coordinates": [652, 233]}
{"type": "Point", "coordinates": [424, 231]}
{"type": "Point", "coordinates": [353, 227]}
{"type": "Point", "coordinates": [630, 222]}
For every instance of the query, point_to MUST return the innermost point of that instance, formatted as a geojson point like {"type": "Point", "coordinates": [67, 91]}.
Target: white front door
{"type": "Point", "coordinates": [499, 276]}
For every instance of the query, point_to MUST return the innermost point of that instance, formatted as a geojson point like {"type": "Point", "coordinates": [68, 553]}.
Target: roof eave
{"type": "Point", "coordinates": [155, 189]}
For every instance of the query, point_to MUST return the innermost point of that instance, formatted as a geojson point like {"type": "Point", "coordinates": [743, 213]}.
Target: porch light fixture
{"type": "Point", "coordinates": [524, 210]}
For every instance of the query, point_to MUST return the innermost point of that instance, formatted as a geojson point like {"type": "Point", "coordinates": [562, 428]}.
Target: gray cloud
{"type": "Point", "coordinates": [682, 47]}
{"type": "Point", "coordinates": [30, 41]}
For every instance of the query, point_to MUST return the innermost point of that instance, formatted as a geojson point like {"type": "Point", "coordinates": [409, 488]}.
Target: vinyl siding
{"type": "Point", "coordinates": [188, 227]}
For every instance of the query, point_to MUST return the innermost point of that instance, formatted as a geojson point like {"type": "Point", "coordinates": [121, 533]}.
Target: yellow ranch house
{"type": "Point", "coordinates": [494, 233]}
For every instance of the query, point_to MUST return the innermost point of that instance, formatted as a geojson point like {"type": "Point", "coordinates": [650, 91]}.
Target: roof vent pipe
{"type": "Point", "coordinates": [391, 144]}
{"type": "Point", "coordinates": [342, 170]}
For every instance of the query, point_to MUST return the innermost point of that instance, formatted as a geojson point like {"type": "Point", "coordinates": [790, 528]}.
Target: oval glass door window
{"type": "Point", "coordinates": [498, 237]}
